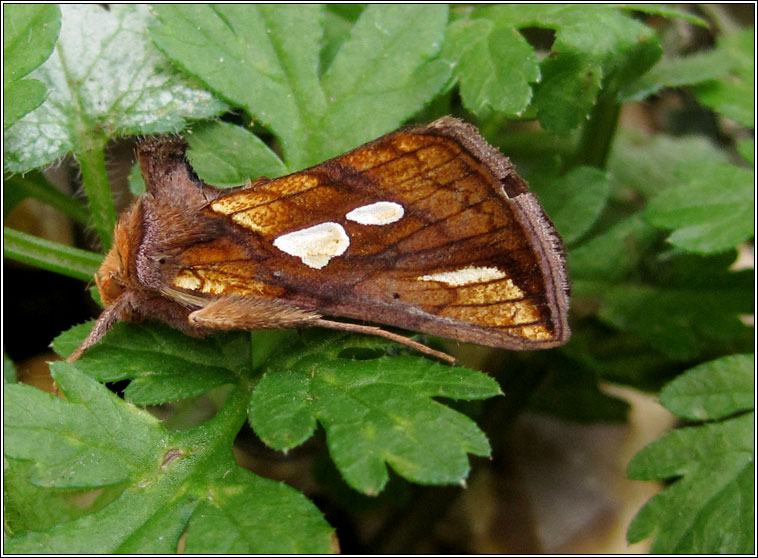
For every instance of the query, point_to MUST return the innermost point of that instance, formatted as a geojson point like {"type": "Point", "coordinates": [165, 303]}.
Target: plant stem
{"type": "Point", "coordinates": [91, 159]}
{"type": "Point", "coordinates": [32, 250]}
{"type": "Point", "coordinates": [597, 135]}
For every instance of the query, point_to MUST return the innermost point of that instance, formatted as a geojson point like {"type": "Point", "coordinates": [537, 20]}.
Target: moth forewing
{"type": "Point", "coordinates": [428, 229]}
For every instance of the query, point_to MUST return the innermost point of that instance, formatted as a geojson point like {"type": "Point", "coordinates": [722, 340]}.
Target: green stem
{"type": "Point", "coordinates": [91, 159]}
{"type": "Point", "coordinates": [32, 250]}
{"type": "Point", "coordinates": [597, 135]}
{"type": "Point", "coordinates": [222, 429]}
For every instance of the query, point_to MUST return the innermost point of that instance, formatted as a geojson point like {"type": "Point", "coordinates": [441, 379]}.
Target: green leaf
{"type": "Point", "coordinates": [105, 79]}
{"type": "Point", "coordinates": [709, 509]}
{"type": "Point", "coordinates": [375, 412]}
{"type": "Point", "coordinates": [676, 321]}
{"type": "Point", "coordinates": [88, 441]}
{"type": "Point", "coordinates": [494, 65]}
{"type": "Point", "coordinates": [381, 75]}
{"type": "Point", "coordinates": [574, 201]}
{"type": "Point", "coordinates": [713, 390]}
{"type": "Point", "coordinates": [73, 262]}
{"type": "Point", "coordinates": [22, 97]}
{"type": "Point", "coordinates": [711, 209]}
{"type": "Point", "coordinates": [169, 480]}
{"type": "Point", "coordinates": [594, 46]}
{"type": "Point", "coordinates": [29, 35]}
{"type": "Point", "coordinates": [265, 60]}
{"type": "Point", "coordinates": [679, 71]}
{"type": "Point", "coordinates": [242, 512]}
{"type": "Point", "coordinates": [227, 155]}
{"type": "Point", "coordinates": [734, 95]}
{"type": "Point", "coordinates": [163, 363]}
{"type": "Point", "coordinates": [261, 58]}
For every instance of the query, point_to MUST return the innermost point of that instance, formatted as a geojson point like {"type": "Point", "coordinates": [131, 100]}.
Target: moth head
{"type": "Point", "coordinates": [110, 277]}
{"type": "Point", "coordinates": [113, 277]}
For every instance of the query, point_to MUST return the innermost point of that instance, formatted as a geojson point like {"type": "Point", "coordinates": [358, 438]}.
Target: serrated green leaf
{"type": "Point", "coordinates": [241, 515]}
{"type": "Point", "coordinates": [374, 412]}
{"type": "Point", "coordinates": [261, 58]}
{"type": "Point", "coordinates": [169, 477]}
{"type": "Point", "coordinates": [711, 209]}
{"type": "Point", "coordinates": [712, 390]}
{"type": "Point", "coordinates": [105, 77]}
{"type": "Point", "coordinates": [709, 510]}
{"type": "Point", "coordinates": [88, 441]}
{"type": "Point", "coordinates": [567, 93]}
{"type": "Point", "coordinates": [29, 35]}
{"type": "Point", "coordinates": [679, 316]}
{"type": "Point", "coordinates": [164, 364]}
{"type": "Point", "coordinates": [493, 64]}
{"type": "Point", "coordinates": [226, 155]}
{"type": "Point", "coordinates": [575, 200]}
{"type": "Point", "coordinates": [734, 95]}
{"type": "Point", "coordinates": [382, 75]}
{"type": "Point", "coordinates": [593, 45]}
{"type": "Point", "coordinates": [679, 71]}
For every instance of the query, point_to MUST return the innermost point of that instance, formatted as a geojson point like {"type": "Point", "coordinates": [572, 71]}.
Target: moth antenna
{"type": "Point", "coordinates": [379, 332]}
{"type": "Point", "coordinates": [104, 322]}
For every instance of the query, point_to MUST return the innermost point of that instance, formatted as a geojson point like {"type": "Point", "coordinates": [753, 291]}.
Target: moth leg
{"type": "Point", "coordinates": [379, 332]}
{"type": "Point", "coordinates": [232, 312]}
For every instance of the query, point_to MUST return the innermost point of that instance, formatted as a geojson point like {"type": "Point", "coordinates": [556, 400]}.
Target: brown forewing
{"type": "Point", "coordinates": [464, 208]}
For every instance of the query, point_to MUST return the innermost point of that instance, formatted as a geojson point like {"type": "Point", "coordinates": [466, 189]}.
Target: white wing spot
{"type": "Point", "coordinates": [466, 276]}
{"type": "Point", "coordinates": [379, 213]}
{"type": "Point", "coordinates": [316, 245]}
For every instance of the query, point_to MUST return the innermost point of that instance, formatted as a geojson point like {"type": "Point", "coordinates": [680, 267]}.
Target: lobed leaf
{"type": "Point", "coordinates": [91, 440]}
{"type": "Point", "coordinates": [170, 481]}
{"type": "Point", "coordinates": [265, 60]}
{"type": "Point", "coordinates": [163, 363]}
{"type": "Point", "coordinates": [733, 95]}
{"type": "Point", "coordinates": [242, 513]}
{"type": "Point", "coordinates": [374, 412]}
{"type": "Point", "coordinates": [712, 390]}
{"type": "Point", "coordinates": [105, 78]}
{"type": "Point", "coordinates": [710, 508]}
{"type": "Point", "coordinates": [594, 46]}
{"type": "Point", "coordinates": [711, 209]}
{"type": "Point", "coordinates": [493, 64]}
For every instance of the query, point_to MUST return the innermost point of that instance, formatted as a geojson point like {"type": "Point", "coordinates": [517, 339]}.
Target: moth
{"type": "Point", "coordinates": [428, 228]}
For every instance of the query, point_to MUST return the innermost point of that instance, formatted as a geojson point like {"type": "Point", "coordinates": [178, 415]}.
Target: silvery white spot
{"type": "Point", "coordinates": [379, 213]}
{"type": "Point", "coordinates": [316, 245]}
{"type": "Point", "coordinates": [466, 276]}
